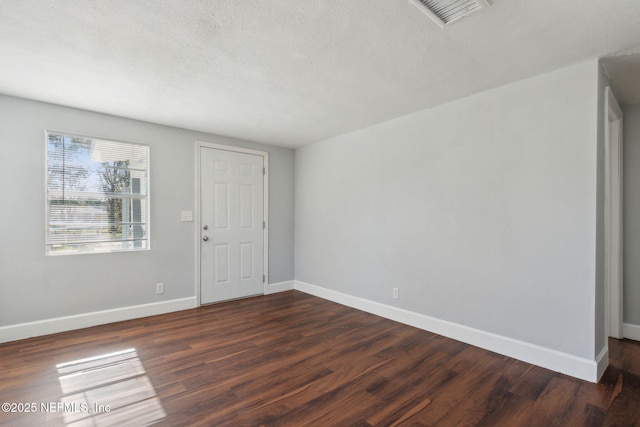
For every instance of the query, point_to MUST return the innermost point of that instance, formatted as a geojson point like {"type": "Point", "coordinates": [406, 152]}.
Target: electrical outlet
{"type": "Point", "coordinates": [395, 293]}
{"type": "Point", "coordinates": [186, 216]}
{"type": "Point", "coordinates": [159, 288]}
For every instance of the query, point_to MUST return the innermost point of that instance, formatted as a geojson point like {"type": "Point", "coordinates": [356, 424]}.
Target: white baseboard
{"type": "Point", "coordinates": [554, 360]}
{"type": "Point", "coordinates": [68, 323]}
{"type": "Point", "coordinates": [602, 361]}
{"type": "Point", "coordinates": [631, 331]}
{"type": "Point", "coordinates": [273, 288]}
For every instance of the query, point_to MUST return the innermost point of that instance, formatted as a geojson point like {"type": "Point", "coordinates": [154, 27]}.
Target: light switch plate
{"type": "Point", "coordinates": [187, 216]}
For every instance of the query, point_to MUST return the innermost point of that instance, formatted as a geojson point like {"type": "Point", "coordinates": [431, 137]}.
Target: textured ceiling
{"type": "Point", "coordinates": [289, 72]}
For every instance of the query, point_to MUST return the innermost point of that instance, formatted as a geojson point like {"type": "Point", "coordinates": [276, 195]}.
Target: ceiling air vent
{"type": "Point", "coordinates": [444, 12]}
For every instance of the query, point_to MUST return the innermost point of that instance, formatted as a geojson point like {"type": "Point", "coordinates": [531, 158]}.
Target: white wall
{"type": "Point", "coordinates": [631, 309]}
{"type": "Point", "coordinates": [34, 287]}
{"type": "Point", "coordinates": [482, 211]}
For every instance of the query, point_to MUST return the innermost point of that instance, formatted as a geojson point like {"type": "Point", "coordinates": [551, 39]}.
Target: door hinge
{"type": "Point", "coordinates": [263, 278]}
{"type": "Point", "coordinates": [264, 225]}
{"type": "Point", "coordinates": [264, 171]}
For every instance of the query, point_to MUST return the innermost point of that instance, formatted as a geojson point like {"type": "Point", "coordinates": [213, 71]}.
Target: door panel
{"type": "Point", "coordinates": [231, 234]}
{"type": "Point", "coordinates": [221, 204]}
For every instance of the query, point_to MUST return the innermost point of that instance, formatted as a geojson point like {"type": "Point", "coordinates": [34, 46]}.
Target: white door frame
{"type": "Point", "coordinates": [265, 204]}
{"type": "Point", "coordinates": [613, 231]}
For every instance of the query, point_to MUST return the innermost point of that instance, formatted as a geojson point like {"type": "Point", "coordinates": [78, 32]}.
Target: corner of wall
{"type": "Point", "coordinates": [600, 342]}
{"type": "Point", "coordinates": [582, 368]}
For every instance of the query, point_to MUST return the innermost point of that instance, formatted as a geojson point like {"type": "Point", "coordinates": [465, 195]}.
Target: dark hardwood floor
{"type": "Point", "coordinates": [291, 359]}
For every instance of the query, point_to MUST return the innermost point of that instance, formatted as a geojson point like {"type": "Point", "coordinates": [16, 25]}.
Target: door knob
{"type": "Point", "coordinates": [205, 238]}
{"type": "Point", "coordinates": [206, 227]}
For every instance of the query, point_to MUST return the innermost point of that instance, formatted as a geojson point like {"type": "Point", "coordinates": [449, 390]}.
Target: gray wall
{"type": "Point", "coordinates": [631, 213]}
{"type": "Point", "coordinates": [36, 287]}
{"type": "Point", "coordinates": [482, 212]}
{"type": "Point", "coordinates": [600, 335]}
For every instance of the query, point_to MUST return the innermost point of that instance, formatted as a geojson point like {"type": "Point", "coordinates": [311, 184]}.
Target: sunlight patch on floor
{"type": "Point", "coordinates": [107, 389]}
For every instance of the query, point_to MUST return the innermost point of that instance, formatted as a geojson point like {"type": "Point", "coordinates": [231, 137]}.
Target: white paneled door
{"type": "Point", "coordinates": [231, 225]}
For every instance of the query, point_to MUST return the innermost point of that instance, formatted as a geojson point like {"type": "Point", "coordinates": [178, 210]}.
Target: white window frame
{"type": "Point", "coordinates": [96, 247]}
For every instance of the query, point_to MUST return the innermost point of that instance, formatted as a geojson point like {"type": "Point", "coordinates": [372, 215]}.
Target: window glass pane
{"type": "Point", "coordinates": [97, 195]}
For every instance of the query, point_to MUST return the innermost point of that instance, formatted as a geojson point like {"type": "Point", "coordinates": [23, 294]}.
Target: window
{"type": "Point", "coordinates": [97, 195]}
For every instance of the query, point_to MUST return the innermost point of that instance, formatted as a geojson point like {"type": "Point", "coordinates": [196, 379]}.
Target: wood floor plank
{"type": "Point", "coordinates": [515, 412]}
{"type": "Point", "coordinates": [291, 359]}
{"type": "Point", "coordinates": [453, 393]}
{"type": "Point", "coordinates": [552, 406]}
{"type": "Point", "coordinates": [532, 382]}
